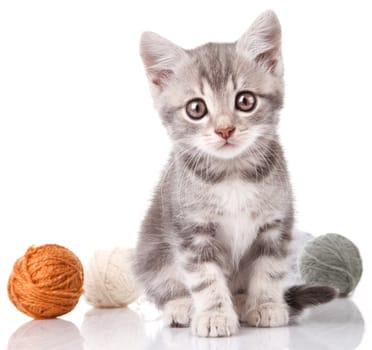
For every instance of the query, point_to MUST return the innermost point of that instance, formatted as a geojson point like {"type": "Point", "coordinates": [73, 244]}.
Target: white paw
{"type": "Point", "coordinates": [215, 323]}
{"type": "Point", "coordinates": [177, 313]}
{"type": "Point", "coordinates": [267, 315]}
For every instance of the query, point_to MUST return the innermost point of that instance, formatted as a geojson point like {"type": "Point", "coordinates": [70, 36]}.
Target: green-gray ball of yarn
{"type": "Point", "coordinates": [331, 260]}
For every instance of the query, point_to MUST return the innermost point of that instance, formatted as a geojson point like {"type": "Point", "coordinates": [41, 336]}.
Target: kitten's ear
{"type": "Point", "coordinates": [160, 57]}
{"type": "Point", "coordinates": [262, 42]}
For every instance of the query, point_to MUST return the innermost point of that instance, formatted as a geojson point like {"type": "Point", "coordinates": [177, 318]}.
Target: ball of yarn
{"type": "Point", "coordinates": [46, 282]}
{"type": "Point", "coordinates": [109, 279]}
{"type": "Point", "coordinates": [331, 260]}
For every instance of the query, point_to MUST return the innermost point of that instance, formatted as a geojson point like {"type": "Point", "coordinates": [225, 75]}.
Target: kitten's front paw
{"type": "Point", "coordinates": [177, 313]}
{"type": "Point", "coordinates": [215, 323]}
{"type": "Point", "coordinates": [267, 315]}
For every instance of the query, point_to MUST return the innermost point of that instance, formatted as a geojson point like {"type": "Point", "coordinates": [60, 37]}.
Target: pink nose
{"type": "Point", "coordinates": [225, 133]}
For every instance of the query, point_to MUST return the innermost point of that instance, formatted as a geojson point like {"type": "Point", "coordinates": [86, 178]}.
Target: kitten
{"type": "Point", "coordinates": [213, 247]}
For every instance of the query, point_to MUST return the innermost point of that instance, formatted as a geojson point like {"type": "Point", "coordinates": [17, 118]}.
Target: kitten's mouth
{"type": "Point", "coordinates": [225, 149]}
{"type": "Point", "coordinates": [226, 145]}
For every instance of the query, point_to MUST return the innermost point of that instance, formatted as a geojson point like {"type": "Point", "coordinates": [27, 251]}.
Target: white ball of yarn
{"type": "Point", "coordinates": [109, 280]}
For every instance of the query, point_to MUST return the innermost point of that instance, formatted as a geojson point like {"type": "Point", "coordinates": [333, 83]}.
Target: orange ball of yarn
{"type": "Point", "coordinates": [46, 282]}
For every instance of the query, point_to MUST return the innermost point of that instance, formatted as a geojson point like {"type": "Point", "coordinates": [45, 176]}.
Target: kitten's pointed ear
{"type": "Point", "coordinates": [262, 42]}
{"type": "Point", "coordinates": [160, 57]}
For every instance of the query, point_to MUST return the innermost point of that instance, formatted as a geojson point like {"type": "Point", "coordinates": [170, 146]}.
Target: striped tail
{"type": "Point", "coordinates": [300, 297]}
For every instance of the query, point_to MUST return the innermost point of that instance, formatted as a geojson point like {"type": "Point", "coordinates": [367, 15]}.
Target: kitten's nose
{"type": "Point", "coordinates": [225, 133]}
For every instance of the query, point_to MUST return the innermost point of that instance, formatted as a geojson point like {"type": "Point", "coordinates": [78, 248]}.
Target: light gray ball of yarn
{"type": "Point", "coordinates": [331, 260]}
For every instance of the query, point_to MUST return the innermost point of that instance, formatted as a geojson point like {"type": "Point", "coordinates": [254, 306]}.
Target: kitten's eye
{"type": "Point", "coordinates": [196, 109]}
{"type": "Point", "coordinates": [245, 101]}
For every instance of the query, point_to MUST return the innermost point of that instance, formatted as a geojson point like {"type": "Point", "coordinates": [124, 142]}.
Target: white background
{"type": "Point", "coordinates": [81, 147]}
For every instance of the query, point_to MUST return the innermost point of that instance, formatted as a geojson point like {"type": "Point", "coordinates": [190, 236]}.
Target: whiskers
{"type": "Point", "coordinates": [261, 162]}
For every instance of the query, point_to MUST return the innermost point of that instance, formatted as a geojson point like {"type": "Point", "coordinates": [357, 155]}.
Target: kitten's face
{"type": "Point", "coordinates": [218, 99]}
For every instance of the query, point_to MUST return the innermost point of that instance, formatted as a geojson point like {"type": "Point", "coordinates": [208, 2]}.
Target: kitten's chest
{"type": "Point", "coordinates": [239, 215]}
{"type": "Point", "coordinates": [235, 197]}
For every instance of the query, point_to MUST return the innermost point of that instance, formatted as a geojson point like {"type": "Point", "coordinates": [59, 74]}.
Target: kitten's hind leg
{"type": "Point", "coordinates": [169, 294]}
{"type": "Point", "coordinates": [177, 312]}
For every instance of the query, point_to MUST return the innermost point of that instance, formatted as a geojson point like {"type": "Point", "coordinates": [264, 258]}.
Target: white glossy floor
{"type": "Point", "coordinates": [338, 325]}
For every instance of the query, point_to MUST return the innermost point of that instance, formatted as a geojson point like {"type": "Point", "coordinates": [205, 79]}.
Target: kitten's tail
{"type": "Point", "coordinates": [300, 297]}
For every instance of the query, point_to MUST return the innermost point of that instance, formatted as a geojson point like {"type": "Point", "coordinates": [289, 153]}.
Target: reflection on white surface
{"type": "Point", "coordinates": [337, 325]}
{"type": "Point", "coordinates": [257, 339]}
{"type": "Point", "coordinates": [53, 334]}
{"type": "Point", "coordinates": [106, 329]}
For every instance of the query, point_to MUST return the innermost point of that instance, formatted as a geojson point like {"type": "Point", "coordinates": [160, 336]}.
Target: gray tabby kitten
{"type": "Point", "coordinates": [214, 246]}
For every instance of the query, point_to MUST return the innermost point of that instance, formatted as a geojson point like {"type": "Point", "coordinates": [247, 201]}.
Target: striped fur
{"type": "Point", "coordinates": [220, 223]}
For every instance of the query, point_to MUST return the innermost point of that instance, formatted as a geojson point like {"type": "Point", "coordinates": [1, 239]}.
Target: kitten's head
{"type": "Point", "coordinates": [219, 99]}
